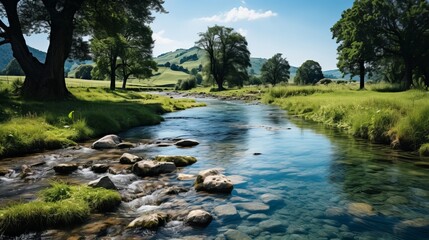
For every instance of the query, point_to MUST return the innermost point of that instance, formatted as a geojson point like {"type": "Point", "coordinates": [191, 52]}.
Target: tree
{"type": "Point", "coordinates": [275, 70]}
{"type": "Point", "coordinates": [66, 21]}
{"type": "Point", "coordinates": [228, 55]}
{"type": "Point", "coordinates": [84, 72]}
{"type": "Point", "coordinates": [310, 72]}
{"type": "Point", "coordinates": [13, 69]}
{"type": "Point", "coordinates": [354, 33]}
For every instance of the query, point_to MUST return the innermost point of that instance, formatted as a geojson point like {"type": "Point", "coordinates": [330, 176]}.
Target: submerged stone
{"type": "Point", "coordinates": [232, 234]}
{"type": "Point", "coordinates": [149, 221]}
{"type": "Point", "coordinates": [226, 211]}
{"type": "Point", "coordinates": [360, 209]}
{"type": "Point", "coordinates": [185, 177]}
{"type": "Point", "coordinates": [254, 206]}
{"type": "Point", "coordinates": [198, 218]}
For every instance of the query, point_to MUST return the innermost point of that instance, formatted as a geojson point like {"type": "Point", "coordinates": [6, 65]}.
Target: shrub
{"type": "Point", "coordinates": [186, 84]}
{"type": "Point", "coordinates": [325, 81]}
{"type": "Point", "coordinates": [84, 72]}
{"type": "Point", "coordinates": [424, 150]}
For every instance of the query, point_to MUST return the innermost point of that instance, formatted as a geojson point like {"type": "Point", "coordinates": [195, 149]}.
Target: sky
{"type": "Point", "coordinates": [299, 29]}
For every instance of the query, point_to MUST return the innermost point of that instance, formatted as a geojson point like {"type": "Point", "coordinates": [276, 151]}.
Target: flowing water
{"type": "Point", "coordinates": [293, 180]}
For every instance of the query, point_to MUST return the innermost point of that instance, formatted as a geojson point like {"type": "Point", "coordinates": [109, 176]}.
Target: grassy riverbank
{"type": "Point", "coordinates": [397, 118]}
{"type": "Point", "coordinates": [380, 114]}
{"type": "Point", "coordinates": [29, 126]}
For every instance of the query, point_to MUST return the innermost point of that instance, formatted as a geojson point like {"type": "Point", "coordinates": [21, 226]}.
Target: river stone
{"type": "Point", "coordinates": [205, 173]}
{"type": "Point", "coordinates": [335, 212]}
{"type": "Point", "coordinates": [254, 206]}
{"type": "Point", "coordinates": [185, 177]}
{"type": "Point", "coordinates": [149, 221]}
{"type": "Point", "coordinates": [186, 143]}
{"type": "Point", "coordinates": [226, 211]}
{"type": "Point", "coordinates": [215, 184]}
{"type": "Point", "coordinates": [128, 158]}
{"type": "Point", "coordinates": [198, 218]}
{"type": "Point", "coordinates": [65, 168]}
{"type": "Point", "coordinates": [396, 200]}
{"type": "Point", "coordinates": [257, 217]}
{"type": "Point", "coordinates": [271, 199]}
{"type": "Point", "coordinates": [152, 168]}
{"type": "Point", "coordinates": [412, 227]}
{"type": "Point", "coordinates": [232, 234]}
{"type": "Point", "coordinates": [106, 142]}
{"type": "Point", "coordinates": [103, 182]}
{"type": "Point", "coordinates": [4, 171]}
{"type": "Point", "coordinates": [99, 168]}
{"type": "Point", "coordinates": [272, 226]}
{"type": "Point", "coordinates": [360, 209]}
{"type": "Point", "coordinates": [123, 145]}
{"type": "Point", "coordinates": [179, 161]}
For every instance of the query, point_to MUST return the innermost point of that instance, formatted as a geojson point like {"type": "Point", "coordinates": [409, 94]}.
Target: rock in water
{"type": "Point", "coordinates": [187, 143]}
{"type": "Point", "coordinates": [150, 221]}
{"type": "Point", "coordinates": [4, 171]}
{"type": "Point", "coordinates": [125, 145]}
{"type": "Point", "coordinates": [106, 142]}
{"type": "Point", "coordinates": [179, 161]}
{"type": "Point", "coordinates": [99, 168]}
{"type": "Point", "coordinates": [212, 181]}
{"type": "Point", "coordinates": [227, 212]}
{"type": "Point", "coordinates": [198, 218]}
{"type": "Point", "coordinates": [152, 168]}
{"type": "Point", "coordinates": [128, 158]}
{"type": "Point", "coordinates": [65, 168]}
{"type": "Point", "coordinates": [360, 209]}
{"type": "Point", "coordinates": [103, 182]}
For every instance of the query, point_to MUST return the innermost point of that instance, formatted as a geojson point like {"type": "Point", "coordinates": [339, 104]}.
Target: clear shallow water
{"type": "Point", "coordinates": [323, 184]}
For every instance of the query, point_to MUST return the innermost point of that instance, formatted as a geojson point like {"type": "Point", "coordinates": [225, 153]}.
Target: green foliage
{"type": "Point", "coordinates": [275, 70]}
{"type": "Point", "coordinates": [186, 84]}
{"type": "Point", "coordinates": [17, 86]}
{"type": "Point", "coordinates": [413, 129]}
{"type": "Point", "coordinates": [228, 55]}
{"type": "Point", "coordinates": [84, 72]}
{"type": "Point", "coordinates": [424, 150]}
{"type": "Point", "coordinates": [310, 72]}
{"type": "Point", "coordinates": [57, 192]}
{"type": "Point", "coordinates": [325, 81]}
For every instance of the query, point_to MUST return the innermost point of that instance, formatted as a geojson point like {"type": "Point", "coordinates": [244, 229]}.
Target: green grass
{"type": "Point", "coordinates": [30, 126]}
{"type": "Point", "coordinates": [397, 118]}
{"type": "Point", "coordinates": [61, 205]}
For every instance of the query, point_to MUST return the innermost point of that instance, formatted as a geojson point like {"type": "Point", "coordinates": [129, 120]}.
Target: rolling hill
{"type": "Point", "coordinates": [6, 55]}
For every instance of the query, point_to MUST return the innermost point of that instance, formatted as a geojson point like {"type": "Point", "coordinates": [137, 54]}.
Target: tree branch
{"type": "Point", "coordinates": [4, 42]}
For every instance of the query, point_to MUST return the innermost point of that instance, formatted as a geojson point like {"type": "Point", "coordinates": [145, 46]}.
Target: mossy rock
{"type": "Point", "coordinates": [424, 150]}
{"type": "Point", "coordinates": [179, 161]}
{"type": "Point", "coordinates": [60, 205]}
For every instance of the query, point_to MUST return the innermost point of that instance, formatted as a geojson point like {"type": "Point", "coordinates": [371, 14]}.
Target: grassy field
{"type": "Point", "coordinates": [30, 126]}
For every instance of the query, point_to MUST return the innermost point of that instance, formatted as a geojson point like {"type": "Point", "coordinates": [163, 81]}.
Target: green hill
{"type": "Point", "coordinates": [6, 55]}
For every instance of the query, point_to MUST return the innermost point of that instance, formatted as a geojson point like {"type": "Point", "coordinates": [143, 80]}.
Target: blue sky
{"type": "Point", "coordinates": [299, 29]}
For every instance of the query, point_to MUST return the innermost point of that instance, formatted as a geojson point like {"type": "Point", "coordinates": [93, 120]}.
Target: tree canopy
{"type": "Point", "coordinates": [228, 55]}
{"type": "Point", "coordinates": [310, 72]}
{"type": "Point", "coordinates": [276, 70]}
{"type": "Point", "coordinates": [67, 22]}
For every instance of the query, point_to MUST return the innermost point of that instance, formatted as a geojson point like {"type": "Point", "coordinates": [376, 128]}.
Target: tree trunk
{"type": "Point", "coordinates": [113, 71]}
{"type": "Point", "coordinates": [219, 85]}
{"type": "Point", "coordinates": [124, 82]}
{"type": "Point", "coordinates": [362, 74]}
{"type": "Point", "coordinates": [408, 77]}
{"type": "Point", "coordinates": [46, 81]}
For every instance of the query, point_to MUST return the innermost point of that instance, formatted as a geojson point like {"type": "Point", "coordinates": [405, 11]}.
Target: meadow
{"type": "Point", "coordinates": [92, 111]}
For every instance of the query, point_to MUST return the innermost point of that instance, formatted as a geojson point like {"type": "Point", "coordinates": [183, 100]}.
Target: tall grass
{"type": "Point", "coordinates": [399, 118]}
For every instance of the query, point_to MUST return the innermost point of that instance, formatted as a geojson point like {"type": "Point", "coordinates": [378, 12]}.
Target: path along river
{"type": "Point", "coordinates": [293, 180]}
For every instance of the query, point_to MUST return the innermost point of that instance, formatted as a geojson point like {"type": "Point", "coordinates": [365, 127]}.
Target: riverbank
{"type": "Point", "coordinates": [30, 126]}
{"type": "Point", "coordinates": [377, 114]}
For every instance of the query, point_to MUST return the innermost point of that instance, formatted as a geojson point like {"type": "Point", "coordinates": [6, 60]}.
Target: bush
{"type": "Point", "coordinates": [84, 72]}
{"type": "Point", "coordinates": [412, 130]}
{"type": "Point", "coordinates": [424, 150]}
{"type": "Point", "coordinates": [325, 81]}
{"type": "Point", "coordinates": [186, 84]}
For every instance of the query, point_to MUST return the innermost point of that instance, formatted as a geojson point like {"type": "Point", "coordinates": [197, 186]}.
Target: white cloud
{"type": "Point", "coordinates": [160, 39]}
{"type": "Point", "coordinates": [242, 31]}
{"type": "Point", "coordinates": [239, 14]}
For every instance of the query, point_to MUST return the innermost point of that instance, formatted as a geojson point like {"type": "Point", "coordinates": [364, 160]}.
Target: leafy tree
{"type": "Point", "coordinates": [67, 22]}
{"type": "Point", "coordinates": [84, 72]}
{"type": "Point", "coordinates": [13, 68]}
{"type": "Point", "coordinates": [228, 55]}
{"type": "Point", "coordinates": [355, 34]}
{"type": "Point", "coordinates": [310, 72]}
{"type": "Point", "coordinates": [276, 70]}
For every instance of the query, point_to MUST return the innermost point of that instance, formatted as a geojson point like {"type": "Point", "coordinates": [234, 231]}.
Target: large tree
{"type": "Point", "coordinates": [276, 70]}
{"type": "Point", "coordinates": [355, 33]}
{"type": "Point", "coordinates": [66, 21]}
{"type": "Point", "coordinates": [310, 72]}
{"type": "Point", "coordinates": [228, 55]}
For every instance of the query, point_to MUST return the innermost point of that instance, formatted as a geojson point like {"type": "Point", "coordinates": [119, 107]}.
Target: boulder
{"type": "Point", "coordinates": [149, 221]}
{"type": "Point", "coordinates": [65, 168]}
{"type": "Point", "coordinates": [128, 158]}
{"type": "Point", "coordinates": [123, 145]}
{"type": "Point", "coordinates": [179, 161]}
{"type": "Point", "coordinates": [186, 143]}
{"type": "Point", "coordinates": [198, 218]}
{"type": "Point", "coordinates": [215, 184]}
{"type": "Point", "coordinates": [106, 142]}
{"type": "Point", "coordinates": [103, 182]}
{"type": "Point", "coordinates": [205, 173]}
{"type": "Point", "coordinates": [4, 171]}
{"type": "Point", "coordinates": [99, 168]}
{"type": "Point", "coordinates": [152, 168]}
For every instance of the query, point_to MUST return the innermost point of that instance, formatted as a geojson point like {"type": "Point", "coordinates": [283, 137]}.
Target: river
{"type": "Point", "coordinates": [293, 180]}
